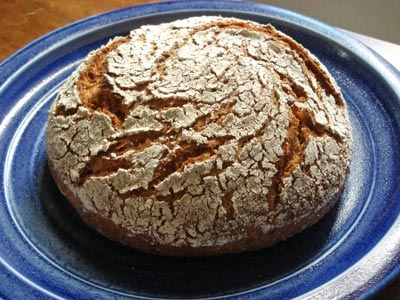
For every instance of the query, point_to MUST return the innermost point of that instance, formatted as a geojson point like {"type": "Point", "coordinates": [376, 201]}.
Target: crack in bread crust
{"type": "Point", "coordinates": [208, 134]}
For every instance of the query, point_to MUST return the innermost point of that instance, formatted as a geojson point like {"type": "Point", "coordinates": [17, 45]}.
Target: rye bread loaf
{"type": "Point", "coordinates": [202, 136]}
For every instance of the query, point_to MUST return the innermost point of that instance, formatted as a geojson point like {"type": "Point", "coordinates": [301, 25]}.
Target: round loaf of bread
{"type": "Point", "coordinates": [202, 136]}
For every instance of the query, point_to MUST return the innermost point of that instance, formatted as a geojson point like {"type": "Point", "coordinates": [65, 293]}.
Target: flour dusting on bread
{"type": "Point", "coordinates": [202, 136]}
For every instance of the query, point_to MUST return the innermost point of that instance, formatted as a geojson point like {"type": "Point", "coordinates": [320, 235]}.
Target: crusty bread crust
{"type": "Point", "coordinates": [199, 137]}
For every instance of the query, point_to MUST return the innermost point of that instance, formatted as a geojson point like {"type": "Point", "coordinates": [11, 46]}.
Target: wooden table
{"type": "Point", "coordinates": [22, 21]}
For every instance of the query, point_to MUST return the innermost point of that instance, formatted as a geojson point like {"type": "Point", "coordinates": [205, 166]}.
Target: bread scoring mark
{"type": "Point", "coordinates": [112, 159]}
{"type": "Point", "coordinates": [162, 104]}
{"type": "Point", "coordinates": [309, 66]}
{"type": "Point", "coordinates": [182, 155]}
{"type": "Point", "coordinates": [301, 126]}
{"type": "Point", "coordinates": [100, 166]}
{"type": "Point", "coordinates": [94, 90]}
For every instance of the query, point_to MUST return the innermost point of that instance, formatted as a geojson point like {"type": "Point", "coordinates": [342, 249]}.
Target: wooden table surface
{"type": "Point", "coordinates": [22, 21]}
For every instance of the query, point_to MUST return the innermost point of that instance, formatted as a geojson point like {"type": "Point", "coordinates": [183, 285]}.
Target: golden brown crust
{"type": "Point", "coordinates": [203, 136]}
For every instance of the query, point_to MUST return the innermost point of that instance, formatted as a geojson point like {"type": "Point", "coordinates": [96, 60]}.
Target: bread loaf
{"type": "Point", "coordinates": [202, 136]}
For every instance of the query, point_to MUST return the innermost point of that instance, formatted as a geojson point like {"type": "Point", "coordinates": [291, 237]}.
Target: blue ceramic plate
{"type": "Point", "coordinates": [46, 252]}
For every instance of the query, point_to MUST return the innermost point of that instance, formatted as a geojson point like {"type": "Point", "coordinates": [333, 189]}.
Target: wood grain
{"type": "Point", "coordinates": [22, 21]}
